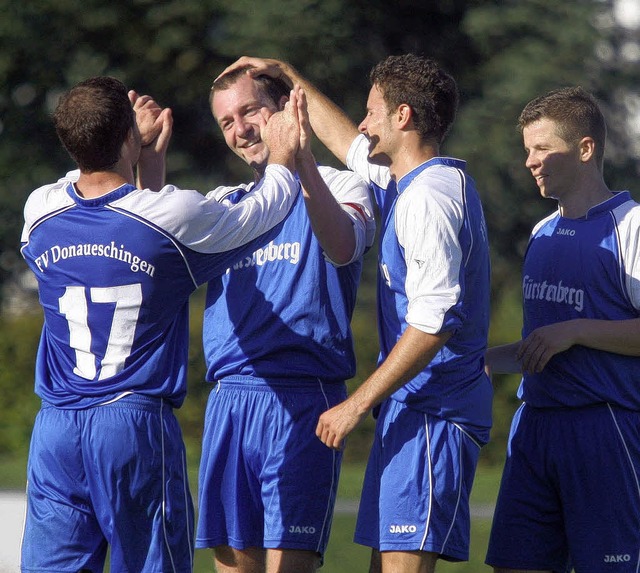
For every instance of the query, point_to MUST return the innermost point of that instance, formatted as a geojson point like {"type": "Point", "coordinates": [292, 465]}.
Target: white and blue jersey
{"type": "Point", "coordinates": [115, 274]}
{"type": "Point", "coordinates": [584, 268]}
{"type": "Point", "coordinates": [434, 274]}
{"type": "Point", "coordinates": [283, 311]}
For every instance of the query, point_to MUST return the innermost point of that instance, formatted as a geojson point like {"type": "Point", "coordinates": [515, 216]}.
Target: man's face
{"type": "Point", "coordinates": [553, 162]}
{"type": "Point", "coordinates": [241, 111]}
{"type": "Point", "coordinates": [377, 126]}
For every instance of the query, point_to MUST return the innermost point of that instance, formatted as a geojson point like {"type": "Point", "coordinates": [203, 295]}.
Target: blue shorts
{"type": "Point", "coordinates": [415, 495]}
{"type": "Point", "coordinates": [570, 491]}
{"type": "Point", "coordinates": [266, 480]}
{"type": "Point", "coordinates": [108, 475]}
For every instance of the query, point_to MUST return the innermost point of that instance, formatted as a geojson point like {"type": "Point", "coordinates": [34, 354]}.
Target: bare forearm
{"type": "Point", "coordinates": [617, 336]}
{"type": "Point", "coordinates": [331, 225]}
{"type": "Point", "coordinates": [151, 170]}
{"type": "Point", "coordinates": [411, 354]}
{"type": "Point", "coordinates": [503, 359]}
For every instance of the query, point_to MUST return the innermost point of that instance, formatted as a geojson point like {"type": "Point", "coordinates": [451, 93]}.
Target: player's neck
{"type": "Point", "coordinates": [99, 183]}
{"type": "Point", "coordinates": [411, 156]}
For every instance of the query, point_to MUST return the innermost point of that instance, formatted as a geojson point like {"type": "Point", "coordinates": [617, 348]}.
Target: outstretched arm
{"type": "Point", "coordinates": [329, 122]}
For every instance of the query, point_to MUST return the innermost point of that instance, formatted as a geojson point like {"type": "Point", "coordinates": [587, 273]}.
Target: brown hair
{"type": "Point", "coordinates": [273, 88]}
{"type": "Point", "coordinates": [423, 85]}
{"type": "Point", "coordinates": [93, 120]}
{"type": "Point", "coordinates": [576, 114]}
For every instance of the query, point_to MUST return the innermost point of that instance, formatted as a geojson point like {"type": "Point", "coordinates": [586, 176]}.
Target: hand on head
{"type": "Point", "coordinates": [262, 66]}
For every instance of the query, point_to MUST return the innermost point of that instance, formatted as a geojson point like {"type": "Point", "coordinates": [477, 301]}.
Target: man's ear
{"type": "Point", "coordinates": [282, 102]}
{"type": "Point", "coordinates": [404, 115]}
{"type": "Point", "coordinates": [587, 148]}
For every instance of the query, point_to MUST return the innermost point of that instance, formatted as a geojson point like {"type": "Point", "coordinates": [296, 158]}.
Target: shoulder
{"type": "Point", "coordinates": [46, 200]}
{"type": "Point", "coordinates": [358, 161]}
{"type": "Point", "coordinates": [543, 223]}
{"type": "Point", "coordinates": [439, 188]}
{"type": "Point", "coordinates": [628, 211]}
{"type": "Point", "coordinates": [170, 208]}
{"type": "Point", "coordinates": [341, 180]}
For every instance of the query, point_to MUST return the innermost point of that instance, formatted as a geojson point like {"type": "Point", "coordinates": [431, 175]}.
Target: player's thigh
{"type": "Point", "coordinates": [61, 531]}
{"type": "Point", "coordinates": [292, 561]}
{"type": "Point", "coordinates": [139, 484]}
{"type": "Point", "coordinates": [528, 530]}
{"type": "Point", "coordinates": [230, 560]}
{"type": "Point", "coordinates": [299, 477]}
{"type": "Point", "coordinates": [230, 510]}
{"type": "Point", "coordinates": [601, 491]}
{"type": "Point", "coordinates": [408, 561]}
{"type": "Point", "coordinates": [423, 467]}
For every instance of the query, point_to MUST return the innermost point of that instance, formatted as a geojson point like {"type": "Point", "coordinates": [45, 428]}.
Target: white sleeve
{"type": "Point", "coordinates": [222, 192]}
{"type": "Point", "coordinates": [352, 193]}
{"type": "Point", "coordinates": [629, 229]}
{"type": "Point", "coordinates": [208, 226]}
{"type": "Point", "coordinates": [427, 225]}
{"type": "Point", "coordinates": [358, 161]}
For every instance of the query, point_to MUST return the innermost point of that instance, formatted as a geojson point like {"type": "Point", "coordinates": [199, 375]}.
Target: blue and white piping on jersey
{"type": "Point", "coordinates": [463, 194]}
{"type": "Point", "coordinates": [621, 267]}
{"type": "Point", "coordinates": [41, 220]}
{"type": "Point", "coordinates": [178, 245]}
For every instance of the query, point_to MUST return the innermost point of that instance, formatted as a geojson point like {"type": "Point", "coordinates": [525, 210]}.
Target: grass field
{"type": "Point", "coordinates": [343, 556]}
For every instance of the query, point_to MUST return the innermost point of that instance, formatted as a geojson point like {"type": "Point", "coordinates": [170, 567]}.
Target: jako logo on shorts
{"type": "Point", "coordinates": [403, 529]}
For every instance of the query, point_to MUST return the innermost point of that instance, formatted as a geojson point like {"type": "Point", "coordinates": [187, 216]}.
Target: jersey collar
{"type": "Point", "coordinates": [114, 195]}
{"type": "Point", "coordinates": [407, 179]}
{"type": "Point", "coordinates": [618, 198]}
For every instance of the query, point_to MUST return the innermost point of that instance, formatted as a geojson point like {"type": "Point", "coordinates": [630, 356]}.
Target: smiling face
{"type": "Point", "coordinates": [378, 127]}
{"type": "Point", "coordinates": [553, 162]}
{"type": "Point", "coordinates": [241, 111]}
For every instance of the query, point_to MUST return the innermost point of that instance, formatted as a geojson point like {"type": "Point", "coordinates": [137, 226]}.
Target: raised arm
{"type": "Point", "coordinates": [329, 122]}
{"type": "Point", "coordinates": [342, 235]}
{"type": "Point", "coordinates": [155, 125]}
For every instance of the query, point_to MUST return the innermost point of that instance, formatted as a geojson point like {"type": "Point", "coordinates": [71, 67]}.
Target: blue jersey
{"type": "Point", "coordinates": [584, 268]}
{"type": "Point", "coordinates": [284, 310]}
{"type": "Point", "coordinates": [115, 274]}
{"type": "Point", "coordinates": [434, 275]}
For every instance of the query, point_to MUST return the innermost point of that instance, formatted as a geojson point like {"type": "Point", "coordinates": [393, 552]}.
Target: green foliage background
{"type": "Point", "coordinates": [502, 53]}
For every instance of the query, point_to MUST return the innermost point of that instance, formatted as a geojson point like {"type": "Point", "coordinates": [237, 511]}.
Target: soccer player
{"type": "Point", "coordinates": [115, 266]}
{"type": "Point", "coordinates": [569, 491]}
{"type": "Point", "coordinates": [278, 347]}
{"type": "Point", "coordinates": [430, 392]}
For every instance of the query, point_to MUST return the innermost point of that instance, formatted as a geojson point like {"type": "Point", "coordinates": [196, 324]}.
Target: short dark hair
{"type": "Point", "coordinates": [424, 86]}
{"type": "Point", "coordinates": [93, 120]}
{"type": "Point", "coordinates": [273, 88]}
{"type": "Point", "coordinates": [576, 114]}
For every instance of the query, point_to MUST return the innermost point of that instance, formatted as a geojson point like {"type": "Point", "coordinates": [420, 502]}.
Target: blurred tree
{"type": "Point", "coordinates": [502, 52]}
